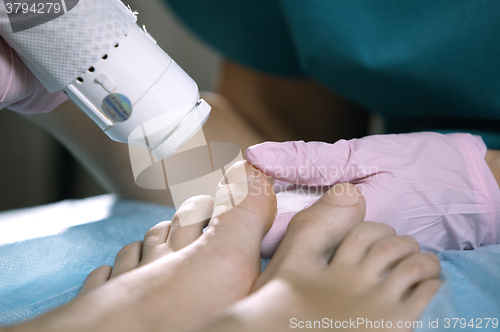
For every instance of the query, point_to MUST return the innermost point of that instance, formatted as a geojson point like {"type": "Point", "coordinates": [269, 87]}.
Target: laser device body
{"type": "Point", "coordinates": [138, 95]}
{"type": "Point", "coordinates": [109, 67]}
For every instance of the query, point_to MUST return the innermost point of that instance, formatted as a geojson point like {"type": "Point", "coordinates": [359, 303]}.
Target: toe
{"type": "Point", "coordinates": [387, 253]}
{"type": "Point", "coordinates": [188, 222]}
{"type": "Point", "coordinates": [156, 235]}
{"type": "Point", "coordinates": [411, 272]}
{"type": "Point", "coordinates": [245, 204]}
{"type": "Point", "coordinates": [317, 231]}
{"type": "Point", "coordinates": [245, 207]}
{"type": "Point", "coordinates": [154, 242]}
{"type": "Point", "coordinates": [128, 258]}
{"type": "Point", "coordinates": [314, 233]}
{"type": "Point", "coordinates": [358, 241]}
{"type": "Point", "coordinates": [422, 295]}
{"type": "Point", "coordinates": [96, 278]}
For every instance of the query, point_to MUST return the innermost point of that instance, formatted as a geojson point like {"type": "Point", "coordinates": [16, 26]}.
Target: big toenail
{"type": "Point", "coordinates": [236, 174]}
{"type": "Point", "coordinates": [233, 189]}
{"type": "Point", "coordinates": [254, 174]}
{"type": "Point", "coordinates": [409, 237]}
{"type": "Point", "coordinates": [195, 209]}
{"type": "Point", "coordinates": [343, 194]}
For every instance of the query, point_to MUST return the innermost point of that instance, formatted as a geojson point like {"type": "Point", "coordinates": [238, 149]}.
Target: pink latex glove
{"type": "Point", "coordinates": [20, 90]}
{"type": "Point", "coordinates": [437, 188]}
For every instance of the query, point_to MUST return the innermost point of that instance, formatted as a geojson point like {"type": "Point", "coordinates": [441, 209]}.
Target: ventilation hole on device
{"type": "Point", "coordinates": [105, 57]}
{"type": "Point", "coordinates": [118, 44]}
{"type": "Point", "coordinates": [65, 92]}
{"type": "Point", "coordinates": [80, 79]}
{"type": "Point", "coordinates": [91, 69]}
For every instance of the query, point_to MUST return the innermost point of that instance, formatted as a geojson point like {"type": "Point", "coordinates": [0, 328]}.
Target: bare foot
{"type": "Point", "coordinates": [373, 276]}
{"type": "Point", "coordinates": [177, 279]}
{"type": "Point", "coordinates": [161, 240]}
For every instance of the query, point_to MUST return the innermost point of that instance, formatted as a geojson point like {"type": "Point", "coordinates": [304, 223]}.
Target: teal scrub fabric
{"type": "Point", "coordinates": [421, 60]}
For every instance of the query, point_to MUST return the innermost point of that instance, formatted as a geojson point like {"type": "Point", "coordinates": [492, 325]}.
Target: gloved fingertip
{"type": "Point", "coordinates": [479, 143]}
{"type": "Point", "coordinates": [274, 236]}
{"type": "Point", "coordinates": [268, 249]}
{"type": "Point", "coordinates": [281, 186]}
{"type": "Point", "coordinates": [256, 153]}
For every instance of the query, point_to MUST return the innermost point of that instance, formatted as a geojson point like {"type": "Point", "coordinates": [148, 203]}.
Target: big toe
{"type": "Point", "coordinates": [245, 208]}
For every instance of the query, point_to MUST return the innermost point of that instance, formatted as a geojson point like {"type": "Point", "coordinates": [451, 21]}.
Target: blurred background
{"type": "Point", "coordinates": [35, 169]}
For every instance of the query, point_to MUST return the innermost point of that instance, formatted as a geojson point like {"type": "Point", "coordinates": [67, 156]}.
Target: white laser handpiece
{"type": "Point", "coordinates": [112, 69]}
{"type": "Point", "coordinates": [138, 95]}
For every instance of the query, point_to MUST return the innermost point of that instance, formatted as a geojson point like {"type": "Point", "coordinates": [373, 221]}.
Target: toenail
{"type": "Point", "coordinates": [255, 173]}
{"type": "Point", "coordinates": [343, 194]}
{"type": "Point", "coordinates": [233, 188]}
{"type": "Point", "coordinates": [195, 210]}
{"type": "Point", "coordinates": [236, 174]}
{"type": "Point", "coordinates": [410, 238]}
{"type": "Point", "coordinates": [433, 256]}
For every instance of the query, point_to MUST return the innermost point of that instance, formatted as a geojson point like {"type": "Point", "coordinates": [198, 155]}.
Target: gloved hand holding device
{"type": "Point", "coordinates": [437, 188]}
{"type": "Point", "coordinates": [111, 68]}
{"type": "Point", "coordinates": [94, 53]}
{"type": "Point", "coordinates": [20, 90]}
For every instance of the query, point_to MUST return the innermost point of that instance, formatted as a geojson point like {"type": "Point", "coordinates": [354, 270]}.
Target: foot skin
{"type": "Point", "coordinates": [161, 240]}
{"type": "Point", "coordinates": [332, 265]}
{"type": "Point", "coordinates": [177, 279]}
